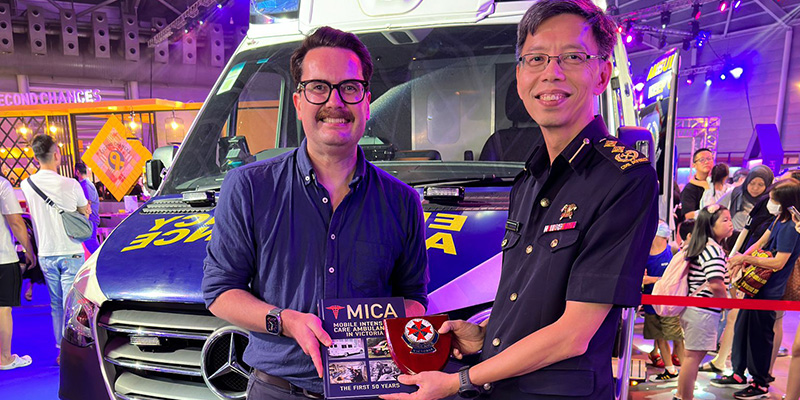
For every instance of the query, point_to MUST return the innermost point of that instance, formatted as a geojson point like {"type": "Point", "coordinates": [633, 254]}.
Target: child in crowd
{"type": "Point", "coordinates": [708, 277]}
{"type": "Point", "coordinates": [661, 329]}
{"type": "Point", "coordinates": [754, 334]}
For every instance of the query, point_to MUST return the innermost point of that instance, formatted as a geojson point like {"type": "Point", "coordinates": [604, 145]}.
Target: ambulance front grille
{"type": "Point", "coordinates": [172, 206]}
{"type": "Point", "coordinates": [151, 354]}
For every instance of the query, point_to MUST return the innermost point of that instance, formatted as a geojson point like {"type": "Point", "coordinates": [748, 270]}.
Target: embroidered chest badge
{"type": "Point", "coordinates": [567, 211]}
{"type": "Point", "coordinates": [420, 336]}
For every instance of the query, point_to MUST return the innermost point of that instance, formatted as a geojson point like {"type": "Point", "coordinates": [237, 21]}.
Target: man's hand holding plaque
{"type": "Point", "coordinates": [416, 344]}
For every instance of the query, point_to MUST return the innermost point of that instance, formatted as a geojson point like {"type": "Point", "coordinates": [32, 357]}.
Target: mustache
{"type": "Point", "coordinates": [334, 113]}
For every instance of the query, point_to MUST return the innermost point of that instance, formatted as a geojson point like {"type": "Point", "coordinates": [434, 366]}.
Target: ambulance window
{"type": "Point", "coordinates": [256, 113]}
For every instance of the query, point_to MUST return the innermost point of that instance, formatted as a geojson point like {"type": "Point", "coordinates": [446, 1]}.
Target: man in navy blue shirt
{"type": "Point", "coordinates": [319, 222]}
{"type": "Point", "coordinates": [582, 216]}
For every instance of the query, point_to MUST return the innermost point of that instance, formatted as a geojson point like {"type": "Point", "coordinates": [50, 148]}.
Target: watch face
{"type": "Point", "coordinates": [273, 326]}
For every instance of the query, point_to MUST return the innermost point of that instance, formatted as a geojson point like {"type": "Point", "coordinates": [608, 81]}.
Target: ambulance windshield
{"type": "Point", "coordinates": [438, 94]}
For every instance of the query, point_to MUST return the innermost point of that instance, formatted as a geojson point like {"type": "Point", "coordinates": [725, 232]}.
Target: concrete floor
{"type": "Point", "coordinates": [33, 335]}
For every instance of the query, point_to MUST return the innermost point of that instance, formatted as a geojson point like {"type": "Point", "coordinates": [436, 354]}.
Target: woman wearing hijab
{"type": "Point", "coordinates": [741, 200]}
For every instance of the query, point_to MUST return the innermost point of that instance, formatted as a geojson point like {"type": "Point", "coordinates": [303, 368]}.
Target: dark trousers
{"type": "Point", "coordinates": [752, 344]}
{"type": "Point", "coordinates": [258, 390]}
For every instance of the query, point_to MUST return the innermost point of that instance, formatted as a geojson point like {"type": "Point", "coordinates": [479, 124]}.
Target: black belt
{"type": "Point", "coordinates": [284, 384]}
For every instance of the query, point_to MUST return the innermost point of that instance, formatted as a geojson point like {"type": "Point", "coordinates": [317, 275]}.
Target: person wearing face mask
{"type": "Point", "coordinates": [743, 199]}
{"type": "Point", "coordinates": [753, 333]}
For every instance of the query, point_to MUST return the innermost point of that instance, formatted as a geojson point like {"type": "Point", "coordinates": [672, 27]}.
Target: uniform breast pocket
{"type": "Point", "coordinates": [509, 240]}
{"type": "Point", "coordinates": [557, 241]}
{"type": "Point", "coordinates": [370, 267]}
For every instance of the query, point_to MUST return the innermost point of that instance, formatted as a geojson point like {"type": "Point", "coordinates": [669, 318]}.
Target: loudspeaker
{"type": "Point", "coordinates": [130, 33]}
{"type": "Point", "coordinates": [100, 35]}
{"type": "Point", "coordinates": [216, 41]}
{"type": "Point", "coordinates": [161, 50]}
{"type": "Point", "coordinates": [189, 48]}
{"type": "Point", "coordinates": [36, 31]}
{"type": "Point", "coordinates": [69, 33]}
{"type": "Point", "coordinates": [6, 36]}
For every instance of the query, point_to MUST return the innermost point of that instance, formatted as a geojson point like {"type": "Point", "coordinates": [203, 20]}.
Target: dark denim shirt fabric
{"type": "Point", "coordinates": [277, 236]}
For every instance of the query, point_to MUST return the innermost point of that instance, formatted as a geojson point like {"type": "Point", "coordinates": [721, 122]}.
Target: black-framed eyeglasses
{"type": "Point", "coordinates": [571, 60]}
{"type": "Point", "coordinates": [351, 91]}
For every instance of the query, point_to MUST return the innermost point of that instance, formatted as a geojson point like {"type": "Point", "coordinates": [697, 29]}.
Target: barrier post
{"type": "Point", "coordinates": [624, 364]}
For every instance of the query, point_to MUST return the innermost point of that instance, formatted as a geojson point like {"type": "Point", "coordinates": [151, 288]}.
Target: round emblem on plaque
{"type": "Point", "coordinates": [420, 336]}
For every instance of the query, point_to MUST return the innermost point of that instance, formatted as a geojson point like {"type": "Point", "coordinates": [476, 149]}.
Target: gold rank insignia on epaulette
{"type": "Point", "coordinates": [621, 155]}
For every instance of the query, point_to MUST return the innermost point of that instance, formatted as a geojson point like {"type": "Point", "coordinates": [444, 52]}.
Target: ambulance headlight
{"type": "Point", "coordinates": [79, 317]}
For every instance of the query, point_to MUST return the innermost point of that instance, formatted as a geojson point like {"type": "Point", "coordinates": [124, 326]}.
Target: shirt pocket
{"type": "Point", "coordinates": [557, 241]}
{"type": "Point", "coordinates": [509, 240]}
{"type": "Point", "coordinates": [558, 382]}
{"type": "Point", "coordinates": [370, 267]}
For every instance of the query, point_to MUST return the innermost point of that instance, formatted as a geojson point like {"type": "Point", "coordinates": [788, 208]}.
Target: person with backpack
{"type": "Point", "coordinates": [707, 277]}
{"type": "Point", "coordinates": [661, 329]}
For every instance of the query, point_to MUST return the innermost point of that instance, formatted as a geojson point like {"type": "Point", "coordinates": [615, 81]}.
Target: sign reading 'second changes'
{"type": "Point", "coordinates": [117, 161]}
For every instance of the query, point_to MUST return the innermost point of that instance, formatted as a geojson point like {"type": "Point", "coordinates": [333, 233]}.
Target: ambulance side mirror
{"type": "Point", "coordinates": [155, 169]}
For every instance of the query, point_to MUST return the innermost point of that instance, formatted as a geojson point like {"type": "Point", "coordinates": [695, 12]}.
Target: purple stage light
{"type": "Point", "coordinates": [736, 4]}
{"type": "Point", "coordinates": [628, 38]}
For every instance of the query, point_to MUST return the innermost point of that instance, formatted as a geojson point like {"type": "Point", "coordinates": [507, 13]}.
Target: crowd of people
{"type": "Point", "coordinates": [728, 225]}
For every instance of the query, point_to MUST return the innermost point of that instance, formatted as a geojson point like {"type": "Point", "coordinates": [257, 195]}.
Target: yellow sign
{"type": "Point", "coordinates": [115, 160]}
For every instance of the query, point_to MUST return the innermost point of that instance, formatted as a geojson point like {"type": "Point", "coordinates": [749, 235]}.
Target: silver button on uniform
{"type": "Point", "coordinates": [504, 242]}
{"type": "Point", "coordinates": [496, 342]}
{"type": "Point", "coordinates": [529, 249]}
{"type": "Point", "coordinates": [331, 270]}
{"type": "Point", "coordinates": [513, 297]}
{"type": "Point", "coordinates": [545, 202]}
{"type": "Point", "coordinates": [325, 200]}
{"type": "Point", "coordinates": [554, 243]}
{"type": "Point", "coordinates": [308, 178]}
{"type": "Point", "coordinates": [333, 237]}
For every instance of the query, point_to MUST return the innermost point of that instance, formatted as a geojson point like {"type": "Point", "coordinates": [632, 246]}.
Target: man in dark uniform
{"type": "Point", "coordinates": [582, 216]}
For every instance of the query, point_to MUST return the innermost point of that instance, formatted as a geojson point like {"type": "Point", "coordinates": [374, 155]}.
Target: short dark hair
{"type": "Point", "coordinates": [81, 167]}
{"type": "Point", "coordinates": [787, 193]}
{"type": "Point", "coordinates": [720, 172]}
{"type": "Point", "coordinates": [603, 28]}
{"type": "Point", "coordinates": [685, 228]}
{"type": "Point", "coordinates": [43, 146]}
{"type": "Point", "coordinates": [330, 37]}
{"type": "Point", "coordinates": [698, 151]}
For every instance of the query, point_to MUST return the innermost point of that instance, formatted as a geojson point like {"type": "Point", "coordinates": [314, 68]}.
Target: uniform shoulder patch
{"type": "Point", "coordinates": [621, 155]}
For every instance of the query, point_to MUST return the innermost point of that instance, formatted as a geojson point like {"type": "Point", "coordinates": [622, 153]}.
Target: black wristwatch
{"type": "Point", "coordinates": [273, 322]}
{"type": "Point", "coordinates": [466, 390]}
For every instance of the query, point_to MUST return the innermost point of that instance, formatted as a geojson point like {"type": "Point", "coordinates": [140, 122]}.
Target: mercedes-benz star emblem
{"type": "Point", "coordinates": [222, 367]}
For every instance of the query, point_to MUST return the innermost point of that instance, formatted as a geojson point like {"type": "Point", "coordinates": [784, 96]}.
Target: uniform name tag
{"type": "Point", "coordinates": [560, 227]}
{"type": "Point", "coordinates": [512, 225]}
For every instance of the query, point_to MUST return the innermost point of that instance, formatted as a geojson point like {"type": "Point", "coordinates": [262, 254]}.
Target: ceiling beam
{"type": "Point", "coordinates": [728, 22]}
{"type": "Point", "coordinates": [166, 4]}
{"type": "Point", "coordinates": [56, 5]}
{"type": "Point", "coordinates": [774, 10]}
{"type": "Point", "coordinates": [95, 8]}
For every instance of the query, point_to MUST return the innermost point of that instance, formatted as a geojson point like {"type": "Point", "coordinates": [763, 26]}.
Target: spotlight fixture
{"type": "Point", "coordinates": [696, 11]}
{"type": "Point", "coordinates": [723, 75]}
{"type": "Point", "coordinates": [723, 5]}
{"type": "Point", "coordinates": [708, 79]}
{"type": "Point", "coordinates": [665, 17]}
{"type": "Point", "coordinates": [736, 72]}
{"type": "Point", "coordinates": [628, 38]}
{"type": "Point", "coordinates": [690, 79]}
{"type": "Point", "coordinates": [687, 44]}
{"type": "Point", "coordinates": [736, 4]}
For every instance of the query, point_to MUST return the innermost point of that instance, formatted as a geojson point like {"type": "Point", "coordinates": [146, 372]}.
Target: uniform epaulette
{"type": "Point", "coordinates": [624, 157]}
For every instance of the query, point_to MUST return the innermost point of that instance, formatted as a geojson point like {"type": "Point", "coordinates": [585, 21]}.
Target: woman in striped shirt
{"type": "Point", "coordinates": [708, 277]}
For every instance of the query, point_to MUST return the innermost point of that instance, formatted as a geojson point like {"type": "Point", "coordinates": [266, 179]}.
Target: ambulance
{"type": "Point", "coordinates": [445, 118]}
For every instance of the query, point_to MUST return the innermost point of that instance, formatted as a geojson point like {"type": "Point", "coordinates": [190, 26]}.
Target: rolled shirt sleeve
{"type": "Point", "coordinates": [230, 255]}
{"type": "Point", "coordinates": [610, 266]}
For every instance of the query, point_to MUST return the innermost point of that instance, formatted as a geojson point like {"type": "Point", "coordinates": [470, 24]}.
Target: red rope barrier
{"type": "Point", "coordinates": [749, 304]}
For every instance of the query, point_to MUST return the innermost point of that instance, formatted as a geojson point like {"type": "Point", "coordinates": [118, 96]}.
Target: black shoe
{"type": "Point", "coordinates": [663, 377]}
{"type": "Point", "coordinates": [752, 392]}
{"type": "Point", "coordinates": [733, 381]}
{"type": "Point", "coordinates": [709, 367]}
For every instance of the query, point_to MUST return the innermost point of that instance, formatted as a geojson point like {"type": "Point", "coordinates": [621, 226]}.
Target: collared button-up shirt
{"type": "Point", "coordinates": [276, 235]}
{"type": "Point", "coordinates": [579, 230]}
